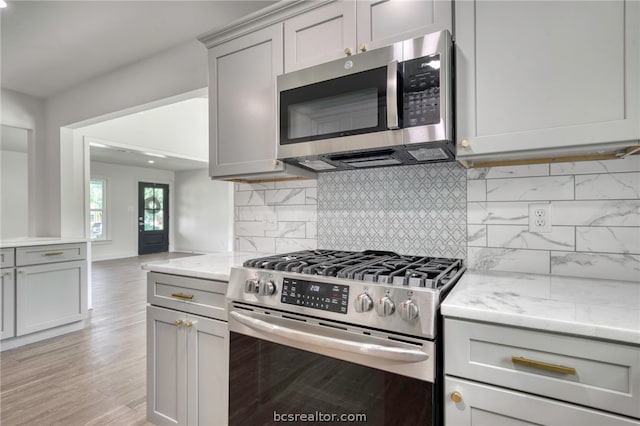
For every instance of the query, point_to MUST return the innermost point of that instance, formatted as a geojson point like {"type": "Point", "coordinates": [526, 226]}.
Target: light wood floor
{"type": "Point", "coordinates": [95, 376]}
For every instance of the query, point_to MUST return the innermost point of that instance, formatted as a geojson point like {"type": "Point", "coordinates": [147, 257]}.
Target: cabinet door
{"type": "Point", "coordinates": [208, 364]}
{"type": "Point", "coordinates": [541, 77]}
{"type": "Point", "coordinates": [166, 367]}
{"type": "Point", "coordinates": [50, 295]}
{"type": "Point", "coordinates": [482, 404]}
{"type": "Point", "coordinates": [383, 22]}
{"type": "Point", "coordinates": [7, 304]}
{"type": "Point", "coordinates": [320, 35]}
{"type": "Point", "coordinates": [242, 103]}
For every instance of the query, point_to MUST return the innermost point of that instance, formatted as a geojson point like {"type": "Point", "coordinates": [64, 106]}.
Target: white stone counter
{"type": "Point", "coordinates": [585, 307]}
{"type": "Point", "coordinates": [38, 241]}
{"type": "Point", "coordinates": [214, 266]}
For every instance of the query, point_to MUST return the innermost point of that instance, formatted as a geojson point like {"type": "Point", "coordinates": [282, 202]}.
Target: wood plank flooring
{"type": "Point", "coordinates": [96, 376]}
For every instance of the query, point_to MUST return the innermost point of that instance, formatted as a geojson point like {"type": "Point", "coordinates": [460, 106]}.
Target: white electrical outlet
{"type": "Point", "coordinates": [540, 217]}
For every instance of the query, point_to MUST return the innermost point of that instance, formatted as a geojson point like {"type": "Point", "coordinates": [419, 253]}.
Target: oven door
{"type": "Point", "coordinates": [344, 105]}
{"type": "Point", "coordinates": [289, 367]}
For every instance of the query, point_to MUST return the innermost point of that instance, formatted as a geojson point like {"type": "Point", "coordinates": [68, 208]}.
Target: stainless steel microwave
{"type": "Point", "coordinates": [384, 107]}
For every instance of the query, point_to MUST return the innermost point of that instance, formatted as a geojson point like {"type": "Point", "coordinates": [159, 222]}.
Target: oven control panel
{"type": "Point", "coordinates": [316, 295]}
{"type": "Point", "coordinates": [421, 84]}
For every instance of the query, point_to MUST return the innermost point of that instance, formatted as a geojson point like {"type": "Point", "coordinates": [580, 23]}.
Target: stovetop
{"type": "Point", "coordinates": [371, 266]}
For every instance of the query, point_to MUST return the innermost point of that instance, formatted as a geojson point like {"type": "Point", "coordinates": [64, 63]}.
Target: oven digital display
{"type": "Point", "coordinates": [322, 296]}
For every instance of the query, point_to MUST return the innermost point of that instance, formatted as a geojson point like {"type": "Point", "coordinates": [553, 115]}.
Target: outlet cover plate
{"type": "Point", "coordinates": [540, 217]}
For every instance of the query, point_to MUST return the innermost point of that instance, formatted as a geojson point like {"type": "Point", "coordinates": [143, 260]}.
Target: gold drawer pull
{"type": "Point", "coordinates": [182, 296]}
{"type": "Point", "coordinates": [54, 253]}
{"type": "Point", "coordinates": [543, 365]}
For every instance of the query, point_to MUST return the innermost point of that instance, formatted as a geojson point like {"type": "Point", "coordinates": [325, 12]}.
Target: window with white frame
{"type": "Point", "coordinates": [98, 208]}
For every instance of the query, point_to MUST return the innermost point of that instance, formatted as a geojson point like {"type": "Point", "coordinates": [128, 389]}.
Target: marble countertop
{"type": "Point", "coordinates": [38, 241]}
{"type": "Point", "coordinates": [213, 266]}
{"type": "Point", "coordinates": [585, 307]}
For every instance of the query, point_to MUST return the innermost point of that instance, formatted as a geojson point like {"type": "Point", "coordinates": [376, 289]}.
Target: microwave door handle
{"type": "Point", "coordinates": [392, 95]}
{"type": "Point", "coordinates": [370, 349]}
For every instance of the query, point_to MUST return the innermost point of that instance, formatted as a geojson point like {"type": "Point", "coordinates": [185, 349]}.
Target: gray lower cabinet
{"type": "Point", "coordinates": [7, 303]}
{"type": "Point", "coordinates": [531, 86]}
{"type": "Point", "coordinates": [187, 365]}
{"type": "Point", "coordinates": [501, 375]}
{"type": "Point", "coordinates": [50, 295]}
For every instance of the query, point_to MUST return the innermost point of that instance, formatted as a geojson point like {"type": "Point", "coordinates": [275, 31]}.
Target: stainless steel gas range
{"type": "Point", "coordinates": [323, 335]}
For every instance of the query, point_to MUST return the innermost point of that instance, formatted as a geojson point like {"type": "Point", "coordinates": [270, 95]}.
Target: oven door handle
{"type": "Point", "coordinates": [392, 96]}
{"type": "Point", "coordinates": [369, 349]}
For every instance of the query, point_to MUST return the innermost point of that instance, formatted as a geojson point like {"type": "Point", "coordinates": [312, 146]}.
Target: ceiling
{"type": "Point", "coordinates": [135, 158]}
{"type": "Point", "coordinates": [50, 46]}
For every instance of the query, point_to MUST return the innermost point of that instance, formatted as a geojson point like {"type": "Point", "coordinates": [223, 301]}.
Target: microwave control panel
{"type": "Point", "coordinates": [421, 86]}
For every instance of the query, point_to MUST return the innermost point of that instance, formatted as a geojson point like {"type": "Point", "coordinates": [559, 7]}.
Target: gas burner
{"type": "Point", "coordinates": [372, 266]}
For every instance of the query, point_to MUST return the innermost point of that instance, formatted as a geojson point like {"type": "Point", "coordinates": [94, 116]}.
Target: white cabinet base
{"type": "Point", "coordinates": [41, 335]}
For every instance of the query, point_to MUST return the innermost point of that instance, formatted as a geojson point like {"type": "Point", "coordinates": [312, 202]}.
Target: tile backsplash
{"type": "Point", "coordinates": [595, 218]}
{"type": "Point", "coordinates": [416, 210]}
{"type": "Point", "coordinates": [444, 210]}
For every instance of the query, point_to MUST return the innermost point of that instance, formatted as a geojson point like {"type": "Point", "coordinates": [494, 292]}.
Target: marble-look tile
{"type": "Point", "coordinates": [518, 236]}
{"type": "Point", "coordinates": [255, 186]}
{"type": "Point", "coordinates": [262, 244]}
{"type": "Point", "coordinates": [311, 229]}
{"type": "Point", "coordinates": [477, 190]}
{"type": "Point", "coordinates": [311, 196]}
{"type": "Point", "coordinates": [477, 235]}
{"type": "Point", "coordinates": [607, 239]}
{"type": "Point", "coordinates": [257, 213]}
{"type": "Point", "coordinates": [596, 265]}
{"type": "Point", "coordinates": [518, 171]}
{"type": "Point", "coordinates": [285, 245]}
{"type": "Point", "coordinates": [479, 173]}
{"type": "Point", "coordinates": [289, 230]}
{"type": "Point", "coordinates": [498, 213]}
{"type": "Point", "coordinates": [299, 183]}
{"type": "Point", "coordinates": [596, 213]}
{"type": "Point", "coordinates": [616, 186]}
{"type": "Point", "coordinates": [249, 198]}
{"type": "Point", "coordinates": [510, 260]}
{"type": "Point", "coordinates": [286, 196]}
{"type": "Point", "coordinates": [629, 164]}
{"type": "Point", "coordinates": [533, 188]}
{"type": "Point", "coordinates": [296, 213]}
{"type": "Point", "coordinates": [249, 229]}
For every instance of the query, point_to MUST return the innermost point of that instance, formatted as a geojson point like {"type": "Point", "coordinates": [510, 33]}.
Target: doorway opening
{"type": "Point", "coordinates": [153, 217]}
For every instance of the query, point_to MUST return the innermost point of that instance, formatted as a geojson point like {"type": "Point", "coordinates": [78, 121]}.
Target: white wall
{"type": "Point", "coordinates": [14, 189]}
{"type": "Point", "coordinates": [203, 212]}
{"type": "Point", "coordinates": [122, 207]}
{"type": "Point", "coordinates": [171, 73]}
{"type": "Point", "coordinates": [28, 112]}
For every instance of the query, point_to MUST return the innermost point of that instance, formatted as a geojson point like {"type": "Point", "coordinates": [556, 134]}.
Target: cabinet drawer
{"type": "Point", "coordinates": [37, 255]}
{"type": "Point", "coordinates": [7, 257]}
{"type": "Point", "coordinates": [588, 372]}
{"type": "Point", "coordinates": [193, 295]}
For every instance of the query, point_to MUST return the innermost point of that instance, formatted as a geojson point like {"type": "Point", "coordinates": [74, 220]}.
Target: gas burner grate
{"type": "Point", "coordinates": [372, 266]}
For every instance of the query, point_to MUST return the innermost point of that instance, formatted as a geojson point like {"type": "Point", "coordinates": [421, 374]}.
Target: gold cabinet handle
{"type": "Point", "coordinates": [188, 324]}
{"type": "Point", "coordinates": [456, 397]}
{"type": "Point", "coordinates": [543, 365]}
{"type": "Point", "coordinates": [54, 253]}
{"type": "Point", "coordinates": [464, 143]}
{"type": "Point", "coordinates": [363, 47]}
{"type": "Point", "coordinates": [177, 322]}
{"type": "Point", "coordinates": [347, 51]}
{"type": "Point", "coordinates": [276, 162]}
{"type": "Point", "coordinates": [7, 274]}
{"type": "Point", "coordinates": [182, 296]}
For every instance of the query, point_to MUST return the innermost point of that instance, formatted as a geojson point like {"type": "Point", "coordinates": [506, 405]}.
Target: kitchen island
{"type": "Point", "coordinates": [543, 349]}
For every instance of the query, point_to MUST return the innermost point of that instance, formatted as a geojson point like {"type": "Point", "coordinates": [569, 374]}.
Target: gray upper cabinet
{"type": "Point", "coordinates": [382, 22]}
{"type": "Point", "coordinates": [344, 28]}
{"type": "Point", "coordinates": [542, 79]}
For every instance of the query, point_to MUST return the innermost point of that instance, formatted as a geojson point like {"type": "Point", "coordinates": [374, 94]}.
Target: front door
{"type": "Point", "coordinates": [153, 217]}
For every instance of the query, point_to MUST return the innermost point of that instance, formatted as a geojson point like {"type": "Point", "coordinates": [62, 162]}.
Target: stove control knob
{"type": "Point", "coordinates": [251, 286]}
{"type": "Point", "coordinates": [385, 306]}
{"type": "Point", "coordinates": [267, 288]}
{"type": "Point", "coordinates": [408, 310]}
{"type": "Point", "coordinates": [363, 302]}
